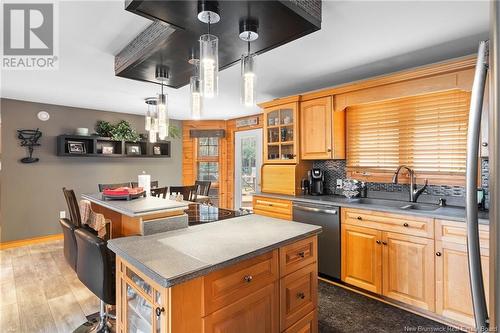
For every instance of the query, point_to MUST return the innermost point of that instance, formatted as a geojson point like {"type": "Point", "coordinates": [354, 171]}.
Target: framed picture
{"type": "Point", "coordinates": [133, 150]}
{"type": "Point", "coordinates": [77, 147]}
{"type": "Point", "coordinates": [108, 150]}
{"type": "Point", "coordinates": [157, 150]}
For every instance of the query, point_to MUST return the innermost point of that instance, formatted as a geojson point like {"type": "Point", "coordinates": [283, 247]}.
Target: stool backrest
{"type": "Point", "coordinates": [73, 207]}
{"type": "Point", "coordinates": [95, 265]}
{"type": "Point", "coordinates": [70, 250]}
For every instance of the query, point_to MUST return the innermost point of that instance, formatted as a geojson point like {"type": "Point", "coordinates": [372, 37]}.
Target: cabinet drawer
{"type": "Point", "coordinates": [403, 224]}
{"type": "Point", "coordinates": [308, 324]}
{"type": "Point", "coordinates": [298, 255]}
{"type": "Point", "coordinates": [230, 284]}
{"type": "Point", "coordinates": [456, 232]}
{"type": "Point", "coordinates": [298, 293]}
{"type": "Point", "coordinates": [272, 207]}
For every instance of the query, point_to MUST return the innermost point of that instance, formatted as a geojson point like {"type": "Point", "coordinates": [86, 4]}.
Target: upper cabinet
{"type": "Point", "coordinates": [281, 133]}
{"type": "Point", "coordinates": [322, 130]}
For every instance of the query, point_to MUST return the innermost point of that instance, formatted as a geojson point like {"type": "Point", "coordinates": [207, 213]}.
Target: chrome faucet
{"type": "Point", "coordinates": [414, 193]}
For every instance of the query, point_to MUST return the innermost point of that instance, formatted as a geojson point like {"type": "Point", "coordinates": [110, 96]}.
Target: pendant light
{"type": "Point", "coordinates": [248, 33]}
{"type": "Point", "coordinates": [162, 112]}
{"type": "Point", "coordinates": [196, 98]}
{"type": "Point", "coordinates": [151, 119]}
{"type": "Point", "coordinates": [208, 12]}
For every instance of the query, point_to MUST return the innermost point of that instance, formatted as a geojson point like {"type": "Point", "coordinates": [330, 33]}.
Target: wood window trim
{"type": "Point", "coordinates": [404, 155]}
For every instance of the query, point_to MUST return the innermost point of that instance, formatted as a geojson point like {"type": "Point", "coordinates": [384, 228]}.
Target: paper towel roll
{"type": "Point", "coordinates": [144, 181]}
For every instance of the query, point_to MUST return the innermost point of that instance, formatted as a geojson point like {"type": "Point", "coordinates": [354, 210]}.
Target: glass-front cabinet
{"type": "Point", "coordinates": [142, 307]}
{"type": "Point", "coordinates": [281, 133]}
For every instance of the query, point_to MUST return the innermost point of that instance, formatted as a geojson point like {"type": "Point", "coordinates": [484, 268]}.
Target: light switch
{"type": "Point", "coordinates": [339, 183]}
{"type": "Point", "coordinates": [62, 214]}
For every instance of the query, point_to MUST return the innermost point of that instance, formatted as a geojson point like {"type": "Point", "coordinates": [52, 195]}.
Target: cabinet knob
{"type": "Point", "coordinates": [359, 218]}
{"type": "Point", "coordinates": [301, 295]}
{"type": "Point", "coordinates": [384, 242]}
{"type": "Point", "coordinates": [248, 278]}
{"type": "Point", "coordinates": [329, 149]}
{"type": "Point", "coordinates": [159, 310]}
{"type": "Point", "coordinates": [378, 242]}
{"type": "Point", "coordinates": [438, 254]}
{"type": "Point", "coordinates": [302, 254]}
{"type": "Point", "coordinates": [484, 144]}
{"type": "Point", "coordinates": [405, 224]}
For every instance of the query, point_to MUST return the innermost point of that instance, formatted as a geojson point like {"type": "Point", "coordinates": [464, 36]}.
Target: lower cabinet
{"type": "Point", "coordinates": [257, 312]}
{"type": "Point", "coordinates": [308, 324]}
{"type": "Point", "coordinates": [272, 207]}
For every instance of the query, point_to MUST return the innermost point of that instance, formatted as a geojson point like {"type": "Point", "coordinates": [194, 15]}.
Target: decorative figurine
{"type": "Point", "coordinates": [29, 138]}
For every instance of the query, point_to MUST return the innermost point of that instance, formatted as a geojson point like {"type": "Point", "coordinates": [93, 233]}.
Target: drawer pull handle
{"type": "Point", "coordinates": [438, 254]}
{"type": "Point", "coordinates": [248, 278]}
{"type": "Point", "coordinates": [302, 254]}
{"type": "Point", "coordinates": [359, 218]}
{"type": "Point", "coordinates": [378, 242]}
{"type": "Point", "coordinates": [384, 242]}
{"type": "Point", "coordinates": [301, 295]}
{"type": "Point", "coordinates": [406, 224]}
{"type": "Point", "coordinates": [158, 311]}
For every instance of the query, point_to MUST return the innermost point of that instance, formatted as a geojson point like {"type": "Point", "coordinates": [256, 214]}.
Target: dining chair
{"type": "Point", "coordinates": [103, 187]}
{"type": "Point", "coordinates": [154, 184]}
{"type": "Point", "coordinates": [189, 193]}
{"type": "Point", "coordinates": [203, 186]}
{"type": "Point", "coordinates": [160, 192]}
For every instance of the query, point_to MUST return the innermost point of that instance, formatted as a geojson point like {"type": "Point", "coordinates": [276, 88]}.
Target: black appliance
{"type": "Point", "coordinates": [304, 185]}
{"type": "Point", "coordinates": [326, 216]}
{"type": "Point", "coordinates": [202, 213]}
{"type": "Point", "coordinates": [316, 179]}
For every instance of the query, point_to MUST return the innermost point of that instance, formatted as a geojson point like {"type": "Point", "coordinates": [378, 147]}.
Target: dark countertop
{"type": "Point", "coordinates": [452, 213]}
{"type": "Point", "coordinates": [137, 207]}
{"type": "Point", "coordinates": [173, 257]}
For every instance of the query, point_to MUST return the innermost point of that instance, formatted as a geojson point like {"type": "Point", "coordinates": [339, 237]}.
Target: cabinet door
{"type": "Point", "coordinates": [408, 269]}
{"type": "Point", "coordinates": [453, 295]}
{"type": "Point", "coordinates": [316, 129]}
{"type": "Point", "coordinates": [308, 324]}
{"type": "Point", "coordinates": [281, 132]}
{"type": "Point", "coordinates": [258, 312]}
{"type": "Point", "coordinates": [362, 257]}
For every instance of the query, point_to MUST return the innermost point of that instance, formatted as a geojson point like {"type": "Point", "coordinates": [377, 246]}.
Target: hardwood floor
{"type": "Point", "coordinates": [39, 292]}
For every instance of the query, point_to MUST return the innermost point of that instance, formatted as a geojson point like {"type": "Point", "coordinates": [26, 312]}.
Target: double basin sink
{"type": "Point", "coordinates": [397, 204]}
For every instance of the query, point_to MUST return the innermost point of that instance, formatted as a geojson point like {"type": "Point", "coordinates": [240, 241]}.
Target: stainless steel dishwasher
{"type": "Point", "coordinates": [326, 216]}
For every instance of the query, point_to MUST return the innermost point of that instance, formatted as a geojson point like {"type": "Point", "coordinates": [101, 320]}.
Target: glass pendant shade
{"type": "Point", "coordinates": [248, 79]}
{"type": "Point", "coordinates": [209, 65]}
{"type": "Point", "coordinates": [196, 98]}
{"type": "Point", "coordinates": [162, 117]}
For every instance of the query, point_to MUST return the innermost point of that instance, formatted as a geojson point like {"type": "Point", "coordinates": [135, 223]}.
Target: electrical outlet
{"type": "Point", "coordinates": [339, 183]}
{"type": "Point", "coordinates": [62, 214]}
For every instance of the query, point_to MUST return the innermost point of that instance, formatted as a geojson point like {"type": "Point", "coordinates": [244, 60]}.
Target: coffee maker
{"type": "Point", "coordinates": [316, 179]}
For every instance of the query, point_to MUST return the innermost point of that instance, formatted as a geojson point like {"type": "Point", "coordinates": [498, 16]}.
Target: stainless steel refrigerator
{"type": "Point", "coordinates": [488, 60]}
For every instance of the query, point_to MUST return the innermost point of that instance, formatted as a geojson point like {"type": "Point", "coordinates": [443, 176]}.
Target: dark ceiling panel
{"type": "Point", "coordinates": [279, 22]}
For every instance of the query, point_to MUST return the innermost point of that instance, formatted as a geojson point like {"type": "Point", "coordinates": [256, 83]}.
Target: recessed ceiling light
{"type": "Point", "coordinates": [43, 115]}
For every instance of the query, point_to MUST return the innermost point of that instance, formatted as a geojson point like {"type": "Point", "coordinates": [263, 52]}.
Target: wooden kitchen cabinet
{"type": "Point", "coordinates": [361, 257]}
{"type": "Point", "coordinates": [453, 296]}
{"type": "Point", "coordinates": [408, 269]}
{"type": "Point", "coordinates": [281, 133]}
{"type": "Point", "coordinates": [322, 130]}
{"type": "Point", "coordinates": [272, 207]}
{"type": "Point", "coordinates": [283, 178]}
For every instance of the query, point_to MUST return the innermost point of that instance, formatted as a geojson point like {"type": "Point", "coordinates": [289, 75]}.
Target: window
{"type": "Point", "coordinates": [208, 171]}
{"type": "Point", "coordinates": [428, 133]}
{"type": "Point", "coordinates": [208, 147]}
{"type": "Point", "coordinates": [207, 161]}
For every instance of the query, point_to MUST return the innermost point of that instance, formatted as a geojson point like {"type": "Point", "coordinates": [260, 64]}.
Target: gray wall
{"type": "Point", "coordinates": [31, 196]}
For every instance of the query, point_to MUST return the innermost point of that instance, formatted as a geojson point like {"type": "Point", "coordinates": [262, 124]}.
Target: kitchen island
{"type": "Point", "coordinates": [246, 274]}
{"type": "Point", "coordinates": [128, 216]}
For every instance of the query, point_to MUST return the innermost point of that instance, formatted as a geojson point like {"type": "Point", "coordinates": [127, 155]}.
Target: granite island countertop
{"type": "Point", "coordinates": [174, 257]}
{"type": "Point", "coordinates": [137, 207]}
{"type": "Point", "coordinates": [453, 213]}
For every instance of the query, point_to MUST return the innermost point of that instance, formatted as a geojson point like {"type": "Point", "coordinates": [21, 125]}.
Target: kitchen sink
{"type": "Point", "coordinates": [396, 204]}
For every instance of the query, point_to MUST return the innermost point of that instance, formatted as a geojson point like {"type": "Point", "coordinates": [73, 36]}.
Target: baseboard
{"type": "Point", "coordinates": [400, 305]}
{"type": "Point", "coordinates": [29, 241]}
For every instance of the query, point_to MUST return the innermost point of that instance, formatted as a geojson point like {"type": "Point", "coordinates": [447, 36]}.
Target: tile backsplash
{"type": "Point", "coordinates": [455, 195]}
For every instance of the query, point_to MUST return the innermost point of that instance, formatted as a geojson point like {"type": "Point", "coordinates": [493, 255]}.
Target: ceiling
{"type": "Point", "coordinates": [358, 39]}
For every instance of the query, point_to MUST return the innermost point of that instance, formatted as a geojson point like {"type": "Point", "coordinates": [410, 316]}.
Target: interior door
{"type": "Point", "coordinates": [247, 163]}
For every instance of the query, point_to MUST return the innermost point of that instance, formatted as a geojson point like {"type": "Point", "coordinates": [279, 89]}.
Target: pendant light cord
{"type": "Point", "coordinates": [209, 20]}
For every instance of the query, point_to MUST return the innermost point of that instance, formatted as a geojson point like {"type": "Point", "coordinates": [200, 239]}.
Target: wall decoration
{"type": "Point", "coordinates": [103, 128]}
{"type": "Point", "coordinates": [29, 138]}
{"type": "Point", "coordinates": [249, 121]}
{"type": "Point", "coordinates": [156, 150]}
{"type": "Point", "coordinates": [133, 150]}
{"type": "Point", "coordinates": [77, 147]}
{"type": "Point", "coordinates": [108, 150]}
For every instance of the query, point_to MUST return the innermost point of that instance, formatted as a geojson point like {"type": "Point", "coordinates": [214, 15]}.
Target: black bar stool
{"type": "Point", "coordinates": [95, 268]}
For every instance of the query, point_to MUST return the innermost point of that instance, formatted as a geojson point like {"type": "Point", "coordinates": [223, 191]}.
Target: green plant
{"type": "Point", "coordinates": [103, 128]}
{"type": "Point", "coordinates": [174, 132]}
{"type": "Point", "coordinates": [123, 131]}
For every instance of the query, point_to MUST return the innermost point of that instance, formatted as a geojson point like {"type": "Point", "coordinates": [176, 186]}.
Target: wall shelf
{"type": "Point", "coordinates": [93, 146]}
